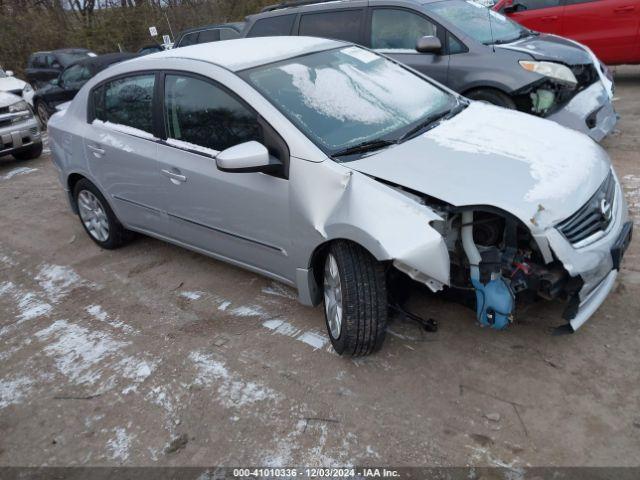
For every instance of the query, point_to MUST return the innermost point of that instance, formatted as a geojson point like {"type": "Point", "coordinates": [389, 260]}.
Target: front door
{"type": "Point", "coordinates": [243, 217]}
{"type": "Point", "coordinates": [395, 31]}
{"type": "Point", "coordinates": [122, 151]}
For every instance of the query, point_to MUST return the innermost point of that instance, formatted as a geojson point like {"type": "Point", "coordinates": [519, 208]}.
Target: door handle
{"type": "Point", "coordinates": [625, 9]}
{"type": "Point", "coordinates": [550, 18]}
{"type": "Point", "coordinates": [97, 151]}
{"type": "Point", "coordinates": [175, 178]}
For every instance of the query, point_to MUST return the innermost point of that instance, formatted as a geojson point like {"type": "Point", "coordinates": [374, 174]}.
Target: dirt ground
{"type": "Point", "coordinates": [153, 355]}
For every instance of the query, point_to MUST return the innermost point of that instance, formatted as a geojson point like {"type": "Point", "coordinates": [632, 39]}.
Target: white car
{"type": "Point", "coordinates": [11, 84]}
{"type": "Point", "coordinates": [336, 170]}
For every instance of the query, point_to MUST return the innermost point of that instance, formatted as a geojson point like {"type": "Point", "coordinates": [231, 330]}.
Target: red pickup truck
{"type": "Point", "coordinates": [611, 28]}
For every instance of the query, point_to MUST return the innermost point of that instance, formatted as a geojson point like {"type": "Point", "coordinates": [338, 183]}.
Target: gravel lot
{"type": "Point", "coordinates": [153, 355]}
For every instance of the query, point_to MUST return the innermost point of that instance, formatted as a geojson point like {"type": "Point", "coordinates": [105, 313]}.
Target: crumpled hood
{"type": "Point", "coordinates": [486, 155]}
{"type": "Point", "coordinates": [551, 48]}
{"type": "Point", "coordinates": [10, 84]}
{"type": "Point", "coordinates": [7, 99]}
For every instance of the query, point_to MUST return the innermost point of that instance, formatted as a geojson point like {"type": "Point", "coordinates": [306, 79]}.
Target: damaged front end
{"type": "Point", "coordinates": [578, 100]}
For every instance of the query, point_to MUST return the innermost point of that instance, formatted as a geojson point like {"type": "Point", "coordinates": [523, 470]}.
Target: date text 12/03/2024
{"type": "Point", "coordinates": [315, 473]}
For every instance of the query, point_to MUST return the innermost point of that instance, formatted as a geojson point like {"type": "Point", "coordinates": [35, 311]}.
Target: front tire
{"type": "Point", "coordinates": [355, 299]}
{"type": "Point", "coordinates": [43, 113]}
{"type": "Point", "coordinates": [30, 153]}
{"type": "Point", "coordinates": [97, 218]}
{"type": "Point", "coordinates": [495, 97]}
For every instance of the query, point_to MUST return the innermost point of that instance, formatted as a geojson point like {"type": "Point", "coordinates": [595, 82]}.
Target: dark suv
{"type": "Point", "coordinates": [43, 67]}
{"type": "Point", "coordinates": [471, 49]}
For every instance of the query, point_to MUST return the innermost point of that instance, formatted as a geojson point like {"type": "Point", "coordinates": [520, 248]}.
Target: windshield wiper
{"type": "Point", "coordinates": [431, 120]}
{"type": "Point", "coordinates": [364, 147]}
{"type": "Point", "coordinates": [521, 35]}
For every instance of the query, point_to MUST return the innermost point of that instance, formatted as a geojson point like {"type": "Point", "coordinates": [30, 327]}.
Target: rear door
{"type": "Point", "coordinates": [121, 151]}
{"type": "Point", "coordinates": [540, 15]}
{"type": "Point", "coordinates": [394, 31]}
{"type": "Point", "coordinates": [608, 27]}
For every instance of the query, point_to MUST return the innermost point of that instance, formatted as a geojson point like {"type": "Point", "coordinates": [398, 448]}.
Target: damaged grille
{"type": "Point", "coordinates": [586, 75]}
{"type": "Point", "coordinates": [595, 216]}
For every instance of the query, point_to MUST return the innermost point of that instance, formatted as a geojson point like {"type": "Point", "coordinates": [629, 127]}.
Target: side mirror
{"type": "Point", "coordinates": [514, 7]}
{"type": "Point", "coordinates": [55, 81]}
{"type": "Point", "coordinates": [247, 157]}
{"type": "Point", "coordinates": [9, 73]}
{"type": "Point", "coordinates": [429, 44]}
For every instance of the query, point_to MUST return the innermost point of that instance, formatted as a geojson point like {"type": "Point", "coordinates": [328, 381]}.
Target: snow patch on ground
{"type": "Point", "coordinates": [278, 290]}
{"type": "Point", "coordinates": [191, 295]}
{"type": "Point", "coordinates": [12, 391]}
{"type": "Point", "coordinates": [120, 445]}
{"type": "Point", "coordinates": [57, 281]}
{"type": "Point", "coordinates": [77, 351]}
{"type": "Point", "coordinates": [233, 390]}
{"type": "Point", "coordinates": [17, 171]}
{"type": "Point", "coordinates": [315, 339]}
{"type": "Point", "coordinates": [247, 311]}
{"type": "Point", "coordinates": [97, 312]}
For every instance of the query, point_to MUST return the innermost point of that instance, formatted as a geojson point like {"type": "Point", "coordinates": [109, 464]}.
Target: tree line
{"type": "Point", "coordinates": [103, 26]}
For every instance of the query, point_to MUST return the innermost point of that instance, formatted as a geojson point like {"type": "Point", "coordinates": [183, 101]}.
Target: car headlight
{"type": "Point", "coordinates": [557, 71]}
{"type": "Point", "coordinates": [21, 108]}
{"type": "Point", "coordinates": [27, 88]}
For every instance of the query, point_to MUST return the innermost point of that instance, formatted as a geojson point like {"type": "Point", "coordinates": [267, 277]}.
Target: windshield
{"type": "Point", "coordinates": [349, 96]}
{"type": "Point", "coordinates": [483, 24]}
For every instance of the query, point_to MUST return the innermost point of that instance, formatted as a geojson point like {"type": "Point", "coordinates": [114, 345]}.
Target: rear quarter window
{"type": "Point", "coordinates": [338, 25]}
{"type": "Point", "coordinates": [272, 26]}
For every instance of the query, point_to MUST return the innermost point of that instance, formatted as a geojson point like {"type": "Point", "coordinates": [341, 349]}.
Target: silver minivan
{"type": "Point", "coordinates": [340, 172]}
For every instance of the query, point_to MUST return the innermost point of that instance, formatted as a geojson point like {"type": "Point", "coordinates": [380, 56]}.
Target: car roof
{"type": "Point", "coordinates": [63, 50]}
{"type": "Point", "coordinates": [235, 25]}
{"type": "Point", "coordinates": [243, 53]}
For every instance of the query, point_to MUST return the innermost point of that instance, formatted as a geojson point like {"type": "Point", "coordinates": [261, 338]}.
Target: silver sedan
{"type": "Point", "coordinates": [343, 173]}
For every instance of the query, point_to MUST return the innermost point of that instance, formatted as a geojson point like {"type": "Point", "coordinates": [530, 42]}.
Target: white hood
{"type": "Point", "coordinates": [10, 84]}
{"type": "Point", "coordinates": [486, 155]}
{"type": "Point", "coordinates": [7, 99]}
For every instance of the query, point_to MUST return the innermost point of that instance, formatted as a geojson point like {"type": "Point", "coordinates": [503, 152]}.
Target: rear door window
{"type": "Point", "coordinates": [272, 26]}
{"type": "Point", "coordinates": [339, 25]}
{"type": "Point", "coordinates": [189, 39]}
{"type": "Point", "coordinates": [206, 36]}
{"type": "Point", "coordinates": [127, 101]}
{"type": "Point", "coordinates": [228, 34]}
{"type": "Point", "coordinates": [395, 29]}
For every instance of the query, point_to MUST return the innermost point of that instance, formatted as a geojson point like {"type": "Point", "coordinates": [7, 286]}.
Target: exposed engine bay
{"type": "Point", "coordinates": [494, 254]}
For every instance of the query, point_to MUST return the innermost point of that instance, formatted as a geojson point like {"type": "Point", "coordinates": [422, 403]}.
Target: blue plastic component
{"type": "Point", "coordinates": [494, 303]}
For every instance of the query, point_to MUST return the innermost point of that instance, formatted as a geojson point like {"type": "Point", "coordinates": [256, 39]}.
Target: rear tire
{"type": "Point", "coordinates": [97, 218]}
{"type": "Point", "coordinates": [495, 97]}
{"type": "Point", "coordinates": [355, 299]}
{"type": "Point", "coordinates": [30, 153]}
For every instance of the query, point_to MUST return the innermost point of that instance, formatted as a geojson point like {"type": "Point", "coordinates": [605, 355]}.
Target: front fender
{"type": "Point", "coordinates": [340, 203]}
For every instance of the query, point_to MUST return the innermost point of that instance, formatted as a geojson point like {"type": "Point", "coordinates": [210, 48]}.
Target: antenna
{"type": "Point", "coordinates": [169, 23]}
{"type": "Point", "coordinates": [493, 40]}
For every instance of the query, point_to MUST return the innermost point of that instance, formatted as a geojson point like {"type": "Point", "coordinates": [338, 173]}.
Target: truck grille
{"type": "Point", "coordinates": [593, 217]}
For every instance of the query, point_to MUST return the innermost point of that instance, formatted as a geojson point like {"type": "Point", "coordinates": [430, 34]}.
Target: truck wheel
{"type": "Point", "coordinates": [355, 299]}
{"type": "Point", "coordinates": [30, 153]}
{"type": "Point", "coordinates": [43, 113]}
{"type": "Point", "coordinates": [495, 97]}
{"type": "Point", "coordinates": [97, 218]}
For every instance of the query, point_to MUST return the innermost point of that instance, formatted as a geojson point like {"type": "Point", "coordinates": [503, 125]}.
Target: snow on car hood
{"type": "Point", "coordinates": [486, 155]}
{"type": "Point", "coordinates": [551, 48]}
{"type": "Point", "coordinates": [10, 84]}
{"type": "Point", "coordinates": [7, 99]}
